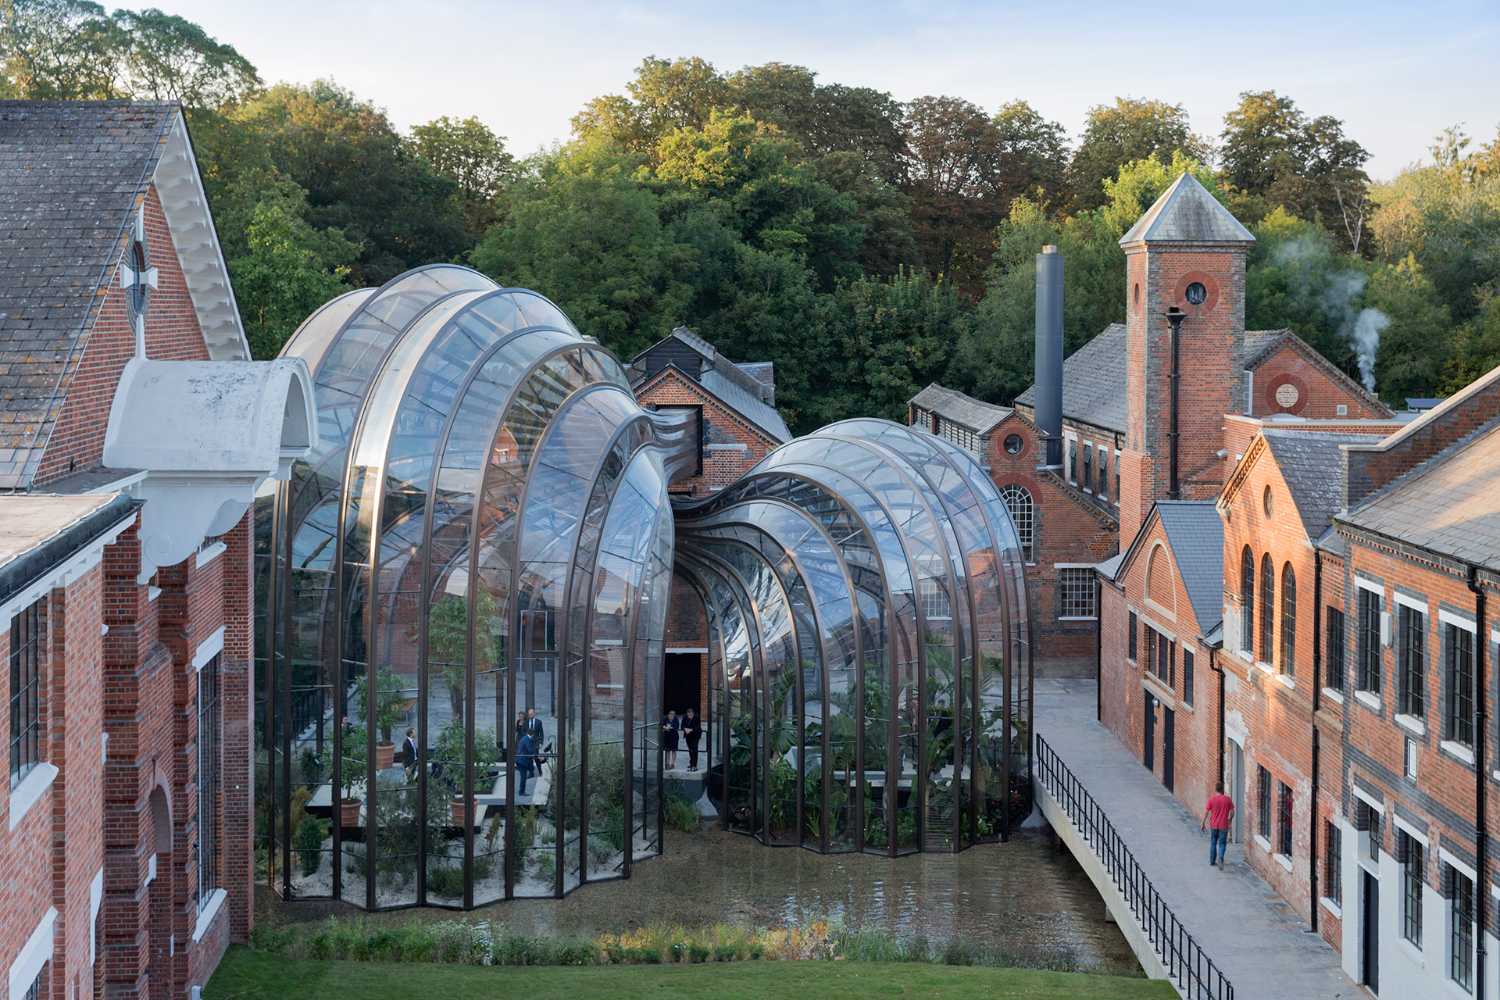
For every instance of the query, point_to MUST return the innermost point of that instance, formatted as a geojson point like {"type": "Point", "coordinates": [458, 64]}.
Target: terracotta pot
{"type": "Point", "coordinates": [459, 807]}
{"type": "Point", "coordinates": [385, 755]}
{"type": "Point", "coordinates": [349, 812]}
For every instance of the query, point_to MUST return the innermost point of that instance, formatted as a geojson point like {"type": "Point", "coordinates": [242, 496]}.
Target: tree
{"type": "Point", "coordinates": [169, 58]}
{"type": "Point", "coordinates": [287, 269]}
{"type": "Point", "coordinates": [469, 154]}
{"type": "Point", "coordinates": [953, 150]}
{"type": "Point", "coordinates": [359, 175]}
{"type": "Point", "coordinates": [1128, 130]}
{"type": "Point", "coordinates": [60, 49]}
{"type": "Point", "coordinates": [1417, 341]}
{"type": "Point", "coordinates": [1033, 156]}
{"type": "Point", "coordinates": [665, 95]}
{"type": "Point", "coordinates": [1270, 149]}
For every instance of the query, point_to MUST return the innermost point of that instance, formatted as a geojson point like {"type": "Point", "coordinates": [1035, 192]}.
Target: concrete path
{"type": "Point", "coordinates": [1264, 948]}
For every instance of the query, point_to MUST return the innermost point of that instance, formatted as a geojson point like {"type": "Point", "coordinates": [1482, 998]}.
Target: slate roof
{"type": "Point", "coordinates": [950, 404]}
{"type": "Point", "coordinates": [750, 407]}
{"type": "Point", "coordinates": [1449, 505]}
{"type": "Point", "coordinates": [1260, 344]}
{"type": "Point", "coordinates": [1093, 382]}
{"type": "Point", "coordinates": [70, 174]}
{"type": "Point", "coordinates": [1312, 464]}
{"type": "Point", "coordinates": [1187, 213]}
{"type": "Point", "coordinates": [1196, 536]}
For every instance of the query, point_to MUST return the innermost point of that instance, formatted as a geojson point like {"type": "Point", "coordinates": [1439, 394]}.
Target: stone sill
{"type": "Point", "coordinates": [1411, 724]}
{"type": "Point", "coordinates": [207, 913]}
{"type": "Point", "coordinates": [1333, 694]}
{"type": "Point", "coordinates": [1284, 861]}
{"type": "Point", "coordinates": [29, 791]}
{"type": "Point", "coordinates": [1457, 751]}
{"type": "Point", "coordinates": [1333, 908]}
{"type": "Point", "coordinates": [1368, 699]}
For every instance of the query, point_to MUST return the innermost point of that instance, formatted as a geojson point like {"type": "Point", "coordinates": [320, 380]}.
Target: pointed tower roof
{"type": "Point", "coordinates": [1187, 213]}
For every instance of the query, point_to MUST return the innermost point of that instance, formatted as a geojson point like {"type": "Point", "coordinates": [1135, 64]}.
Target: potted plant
{"type": "Point", "coordinates": [354, 766]}
{"type": "Point", "coordinates": [388, 709]}
{"type": "Point", "coordinates": [450, 759]}
{"type": "Point", "coordinates": [448, 640]}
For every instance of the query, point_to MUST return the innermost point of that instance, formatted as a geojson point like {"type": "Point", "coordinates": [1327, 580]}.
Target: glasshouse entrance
{"type": "Point", "coordinates": [461, 601]}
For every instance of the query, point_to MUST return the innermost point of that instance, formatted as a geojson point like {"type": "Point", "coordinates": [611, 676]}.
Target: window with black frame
{"type": "Point", "coordinates": [1187, 676]}
{"type": "Point", "coordinates": [1267, 609]}
{"type": "Point", "coordinates": [26, 649]}
{"type": "Point", "coordinates": [1088, 466]}
{"type": "Point", "coordinates": [1283, 819]}
{"type": "Point", "coordinates": [208, 780]}
{"type": "Point", "coordinates": [1247, 603]}
{"type": "Point", "coordinates": [1460, 889]}
{"type": "Point", "coordinates": [1411, 664]}
{"type": "Point", "coordinates": [1410, 852]}
{"type": "Point", "coordinates": [1458, 684]}
{"type": "Point", "coordinates": [1132, 640]}
{"type": "Point", "coordinates": [1263, 802]}
{"type": "Point", "coordinates": [1103, 489]}
{"type": "Point", "coordinates": [1333, 675]}
{"type": "Point", "coordinates": [1288, 621]}
{"type": "Point", "coordinates": [1367, 645]}
{"type": "Point", "coordinates": [1333, 863]}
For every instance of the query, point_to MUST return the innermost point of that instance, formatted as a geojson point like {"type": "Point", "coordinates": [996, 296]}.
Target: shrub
{"type": "Point", "coordinates": [310, 835]}
{"type": "Point", "coordinates": [680, 814]}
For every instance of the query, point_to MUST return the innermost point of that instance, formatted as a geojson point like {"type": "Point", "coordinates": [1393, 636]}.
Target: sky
{"type": "Point", "coordinates": [1395, 73]}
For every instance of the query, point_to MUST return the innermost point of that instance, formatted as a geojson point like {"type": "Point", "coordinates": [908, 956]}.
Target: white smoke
{"type": "Point", "coordinates": [1365, 336]}
{"type": "Point", "coordinates": [1335, 291]}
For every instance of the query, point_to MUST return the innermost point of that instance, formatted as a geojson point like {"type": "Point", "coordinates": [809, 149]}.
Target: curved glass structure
{"type": "Point", "coordinates": [869, 644]}
{"type": "Point", "coordinates": [482, 532]}
{"type": "Point", "coordinates": [462, 597]}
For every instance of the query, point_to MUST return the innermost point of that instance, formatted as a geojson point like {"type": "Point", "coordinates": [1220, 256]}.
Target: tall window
{"type": "Point", "coordinates": [1367, 642]}
{"type": "Point", "coordinates": [1458, 684]}
{"type": "Point", "coordinates": [1072, 461]}
{"type": "Point", "coordinates": [1267, 607]}
{"type": "Point", "coordinates": [1131, 641]}
{"type": "Point", "coordinates": [1333, 863]}
{"type": "Point", "coordinates": [1023, 516]}
{"type": "Point", "coordinates": [1247, 602]}
{"type": "Point", "coordinates": [1288, 620]}
{"type": "Point", "coordinates": [1411, 667]}
{"type": "Point", "coordinates": [1410, 851]}
{"type": "Point", "coordinates": [1283, 819]}
{"type": "Point", "coordinates": [26, 648]}
{"type": "Point", "coordinates": [935, 603]}
{"type": "Point", "coordinates": [1187, 675]}
{"type": "Point", "coordinates": [1103, 473]}
{"type": "Point", "coordinates": [1367, 820]}
{"type": "Point", "coordinates": [1088, 466]}
{"type": "Point", "coordinates": [1075, 592]}
{"type": "Point", "coordinates": [1334, 676]}
{"type": "Point", "coordinates": [1161, 656]}
{"type": "Point", "coordinates": [208, 780]}
{"type": "Point", "coordinates": [1460, 890]}
{"type": "Point", "coordinates": [1263, 801]}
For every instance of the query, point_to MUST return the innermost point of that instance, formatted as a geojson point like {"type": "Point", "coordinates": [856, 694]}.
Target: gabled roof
{"type": "Point", "coordinates": [1312, 465]}
{"type": "Point", "coordinates": [1196, 537]}
{"type": "Point", "coordinates": [749, 388]}
{"type": "Point", "coordinates": [1187, 213]}
{"type": "Point", "coordinates": [71, 176]}
{"type": "Point", "coordinates": [1093, 382]}
{"type": "Point", "coordinates": [1449, 505]}
{"type": "Point", "coordinates": [977, 415]}
{"type": "Point", "coordinates": [1261, 344]}
{"type": "Point", "coordinates": [750, 407]}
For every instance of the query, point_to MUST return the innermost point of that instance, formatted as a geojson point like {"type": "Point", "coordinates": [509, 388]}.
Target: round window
{"type": "Point", "coordinates": [1013, 444]}
{"type": "Point", "coordinates": [1287, 395]}
{"type": "Point", "coordinates": [1196, 293]}
{"type": "Point", "coordinates": [1265, 501]}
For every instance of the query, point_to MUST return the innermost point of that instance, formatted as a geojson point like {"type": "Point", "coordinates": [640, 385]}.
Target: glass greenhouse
{"type": "Point", "coordinates": [868, 644]}
{"type": "Point", "coordinates": [475, 562]}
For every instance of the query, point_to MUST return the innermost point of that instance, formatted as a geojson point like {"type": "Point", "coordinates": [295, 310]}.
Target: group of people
{"type": "Point", "coordinates": [531, 734]}
{"type": "Point", "coordinates": [688, 729]}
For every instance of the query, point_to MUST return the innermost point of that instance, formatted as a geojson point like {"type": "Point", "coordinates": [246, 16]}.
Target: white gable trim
{"type": "Point", "coordinates": [180, 188]}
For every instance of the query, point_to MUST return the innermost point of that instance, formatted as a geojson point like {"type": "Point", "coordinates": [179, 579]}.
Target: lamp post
{"type": "Point", "coordinates": [1175, 316]}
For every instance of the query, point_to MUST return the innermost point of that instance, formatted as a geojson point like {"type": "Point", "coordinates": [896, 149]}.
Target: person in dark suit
{"type": "Point", "coordinates": [538, 734]}
{"type": "Point", "coordinates": [408, 755]}
{"type": "Point", "coordinates": [670, 727]}
{"type": "Point", "coordinates": [692, 732]}
{"type": "Point", "coordinates": [525, 761]}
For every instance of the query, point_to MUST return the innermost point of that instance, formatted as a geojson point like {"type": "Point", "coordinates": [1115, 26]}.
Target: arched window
{"type": "Point", "coordinates": [1247, 603]}
{"type": "Point", "coordinates": [1267, 608]}
{"type": "Point", "coordinates": [1288, 621]}
{"type": "Point", "coordinates": [1023, 515]}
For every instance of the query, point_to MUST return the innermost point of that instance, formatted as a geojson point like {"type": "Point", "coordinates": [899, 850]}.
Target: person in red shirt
{"type": "Point", "coordinates": [1216, 817]}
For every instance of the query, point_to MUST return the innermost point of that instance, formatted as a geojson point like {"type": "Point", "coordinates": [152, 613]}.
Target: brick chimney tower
{"type": "Point", "coordinates": [1187, 252]}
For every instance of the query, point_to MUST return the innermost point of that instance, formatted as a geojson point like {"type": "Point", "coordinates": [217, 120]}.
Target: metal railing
{"type": "Point", "coordinates": [1188, 965]}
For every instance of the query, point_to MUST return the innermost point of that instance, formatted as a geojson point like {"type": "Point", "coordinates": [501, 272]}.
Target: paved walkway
{"type": "Point", "coordinates": [1264, 948]}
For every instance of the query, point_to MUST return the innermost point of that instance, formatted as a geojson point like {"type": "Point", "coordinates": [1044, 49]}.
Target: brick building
{"type": "Point", "coordinates": [737, 425]}
{"type": "Point", "coordinates": [134, 432]}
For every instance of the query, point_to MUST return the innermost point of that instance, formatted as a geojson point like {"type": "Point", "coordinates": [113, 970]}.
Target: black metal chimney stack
{"type": "Point", "coordinates": [1049, 354]}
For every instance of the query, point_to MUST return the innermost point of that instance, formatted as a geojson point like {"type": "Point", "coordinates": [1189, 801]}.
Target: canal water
{"type": "Point", "coordinates": [1026, 898]}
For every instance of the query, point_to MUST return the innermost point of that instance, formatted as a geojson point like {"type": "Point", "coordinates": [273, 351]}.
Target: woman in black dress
{"type": "Point", "coordinates": [670, 726]}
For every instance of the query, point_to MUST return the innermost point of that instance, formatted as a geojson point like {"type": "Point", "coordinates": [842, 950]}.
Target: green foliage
{"type": "Point", "coordinates": [353, 767]}
{"type": "Point", "coordinates": [474, 158]}
{"type": "Point", "coordinates": [309, 835]}
{"type": "Point", "coordinates": [449, 754]}
{"type": "Point", "coordinates": [680, 814]}
{"type": "Point", "coordinates": [1125, 132]}
{"type": "Point", "coordinates": [389, 706]}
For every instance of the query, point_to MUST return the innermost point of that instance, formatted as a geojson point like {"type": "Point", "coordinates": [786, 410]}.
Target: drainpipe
{"type": "Point", "coordinates": [1099, 648]}
{"type": "Point", "coordinates": [1175, 317]}
{"type": "Point", "coordinates": [1481, 782]}
{"type": "Point", "coordinates": [1317, 701]}
{"type": "Point", "coordinates": [1213, 664]}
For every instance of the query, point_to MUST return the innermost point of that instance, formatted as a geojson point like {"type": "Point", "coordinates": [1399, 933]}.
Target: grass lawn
{"type": "Point", "coordinates": [252, 975]}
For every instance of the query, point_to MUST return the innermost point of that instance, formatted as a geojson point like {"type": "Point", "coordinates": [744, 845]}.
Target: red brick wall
{"type": "Point", "coordinates": [172, 333]}
{"type": "Point", "coordinates": [733, 444]}
{"type": "Point", "coordinates": [1318, 394]}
